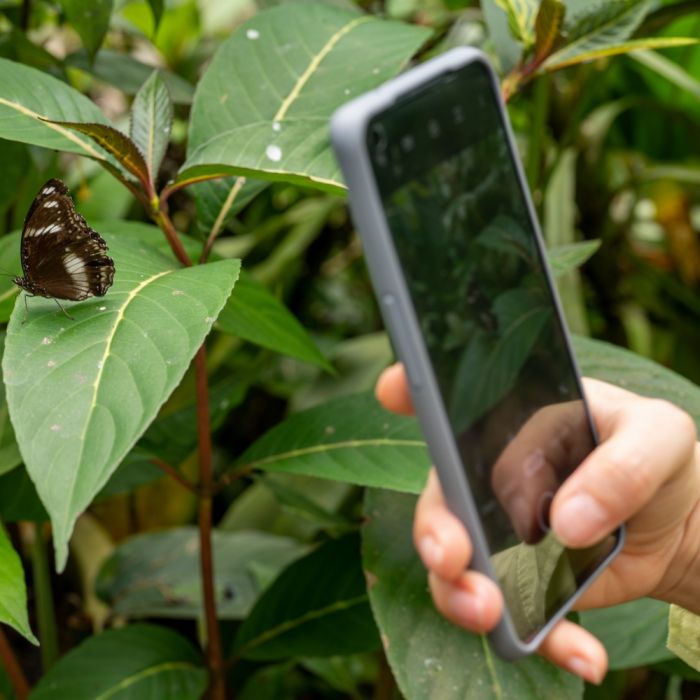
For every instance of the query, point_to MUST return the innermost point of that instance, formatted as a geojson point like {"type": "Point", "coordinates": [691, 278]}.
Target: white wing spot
{"type": "Point", "coordinates": [49, 190]}
{"type": "Point", "coordinates": [76, 268]}
{"type": "Point", "coordinates": [51, 204]}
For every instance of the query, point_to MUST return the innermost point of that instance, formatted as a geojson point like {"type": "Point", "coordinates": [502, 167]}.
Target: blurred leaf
{"type": "Point", "coordinates": [429, 656]}
{"type": "Point", "coordinates": [316, 607]}
{"type": "Point", "coordinates": [158, 574]}
{"type": "Point", "coordinates": [669, 70]}
{"type": "Point", "coordinates": [254, 314]}
{"type": "Point", "coordinates": [247, 111]}
{"type": "Point", "coordinates": [78, 407]}
{"type": "Point", "coordinates": [90, 18]}
{"type": "Point", "coordinates": [556, 62]}
{"type": "Point", "coordinates": [115, 143]}
{"type": "Point", "coordinates": [564, 258]}
{"type": "Point", "coordinates": [19, 499]}
{"type": "Point", "coordinates": [157, 7]}
{"type": "Point", "coordinates": [29, 97]}
{"type": "Point", "coordinates": [634, 634]}
{"type": "Point", "coordinates": [521, 19]}
{"type": "Point", "coordinates": [151, 122]}
{"type": "Point", "coordinates": [13, 594]}
{"type": "Point", "coordinates": [139, 661]}
{"type": "Point", "coordinates": [128, 74]}
{"type": "Point", "coordinates": [631, 371]}
{"type": "Point", "coordinates": [352, 439]}
{"type": "Point", "coordinates": [15, 160]}
{"type": "Point", "coordinates": [548, 25]}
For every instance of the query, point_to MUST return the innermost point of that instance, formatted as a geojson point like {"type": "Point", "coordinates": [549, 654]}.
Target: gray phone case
{"type": "Point", "coordinates": [348, 135]}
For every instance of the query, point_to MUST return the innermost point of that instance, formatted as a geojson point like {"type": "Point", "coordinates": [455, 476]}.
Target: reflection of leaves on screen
{"type": "Point", "coordinates": [505, 235]}
{"type": "Point", "coordinates": [491, 363]}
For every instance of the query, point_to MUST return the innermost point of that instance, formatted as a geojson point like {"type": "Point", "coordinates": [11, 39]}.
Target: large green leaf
{"type": "Point", "coordinates": [430, 657]}
{"type": "Point", "coordinates": [634, 634]}
{"type": "Point", "coordinates": [568, 257]}
{"type": "Point", "coordinates": [82, 391]}
{"type": "Point", "coordinates": [13, 594]}
{"type": "Point", "coordinates": [521, 19]}
{"type": "Point", "coordinates": [133, 663]}
{"type": "Point", "coordinates": [90, 18]}
{"type": "Point", "coordinates": [158, 574]}
{"type": "Point", "coordinates": [28, 96]}
{"type": "Point", "coordinates": [317, 607]}
{"type": "Point", "coordinates": [19, 500]}
{"type": "Point", "coordinates": [263, 104]}
{"type": "Point", "coordinates": [9, 452]}
{"type": "Point", "coordinates": [670, 70]}
{"type": "Point", "coordinates": [352, 439]}
{"type": "Point", "coordinates": [254, 314]}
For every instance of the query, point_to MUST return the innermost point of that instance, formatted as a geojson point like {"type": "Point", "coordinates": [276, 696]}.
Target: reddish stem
{"type": "Point", "coordinates": [174, 473]}
{"type": "Point", "coordinates": [160, 216]}
{"type": "Point", "coordinates": [214, 653]}
{"type": "Point", "coordinates": [14, 670]}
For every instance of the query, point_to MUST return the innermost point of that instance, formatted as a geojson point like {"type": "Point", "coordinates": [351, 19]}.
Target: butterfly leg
{"type": "Point", "coordinates": [64, 311]}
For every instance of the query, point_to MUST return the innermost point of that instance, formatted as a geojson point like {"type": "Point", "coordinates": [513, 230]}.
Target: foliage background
{"type": "Point", "coordinates": [302, 600]}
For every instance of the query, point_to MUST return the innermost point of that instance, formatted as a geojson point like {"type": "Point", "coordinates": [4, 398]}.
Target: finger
{"type": "Point", "coordinates": [392, 390]}
{"type": "Point", "coordinates": [573, 648]}
{"type": "Point", "coordinates": [473, 601]}
{"type": "Point", "coordinates": [645, 442]}
{"type": "Point", "coordinates": [440, 538]}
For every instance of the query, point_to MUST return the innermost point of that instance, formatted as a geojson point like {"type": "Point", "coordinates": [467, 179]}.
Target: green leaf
{"type": "Point", "coordinates": [616, 50]}
{"type": "Point", "coordinates": [565, 258]}
{"type": "Point", "coordinates": [158, 574]}
{"type": "Point", "coordinates": [521, 19]}
{"type": "Point", "coordinates": [352, 439]}
{"type": "Point", "coordinates": [262, 107]}
{"type": "Point", "coordinates": [13, 594]}
{"type": "Point", "coordinates": [157, 7]}
{"type": "Point", "coordinates": [90, 18]}
{"type": "Point", "coordinates": [29, 97]}
{"type": "Point", "coordinates": [634, 372]}
{"type": "Point", "coordinates": [255, 315]}
{"type": "Point", "coordinates": [139, 661]}
{"type": "Point", "coordinates": [634, 634]}
{"type": "Point", "coordinates": [81, 392]}
{"type": "Point", "coordinates": [429, 656]}
{"type": "Point", "coordinates": [668, 69]}
{"type": "Point", "coordinates": [151, 122]}
{"type": "Point", "coordinates": [128, 74]}
{"type": "Point", "coordinates": [19, 500]}
{"type": "Point", "coordinates": [9, 452]}
{"type": "Point", "coordinates": [317, 607]}
{"type": "Point", "coordinates": [548, 25]}
{"type": "Point", "coordinates": [599, 26]}
{"type": "Point", "coordinates": [116, 144]}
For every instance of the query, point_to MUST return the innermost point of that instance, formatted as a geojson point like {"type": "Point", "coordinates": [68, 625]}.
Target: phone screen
{"type": "Point", "coordinates": [467, 245]}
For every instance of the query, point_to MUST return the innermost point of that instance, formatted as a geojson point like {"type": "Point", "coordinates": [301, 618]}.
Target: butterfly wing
{"type": "Point", "coordinates": [62, 257]}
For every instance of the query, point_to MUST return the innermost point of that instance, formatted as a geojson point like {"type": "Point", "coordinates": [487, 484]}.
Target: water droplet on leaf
{"type": "Point", "coordinates": [253, 34]}
{"type": "Point", "coordinates": [274, 153]}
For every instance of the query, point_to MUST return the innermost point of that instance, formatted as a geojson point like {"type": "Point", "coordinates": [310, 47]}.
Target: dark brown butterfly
{"type": "Point", "coordinates": [62, 257]}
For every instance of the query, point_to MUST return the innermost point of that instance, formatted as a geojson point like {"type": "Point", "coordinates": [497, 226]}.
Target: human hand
{"type": "Point", "coordinates": [645, 473]}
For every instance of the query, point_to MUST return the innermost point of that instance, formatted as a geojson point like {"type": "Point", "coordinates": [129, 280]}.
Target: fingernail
{"type": "Point", "coordinates": [431, 551]}
{"type": "Point", "coordinates": [584, 668]}
{"type": "Point", "coordinates": [467, 608]}
{"type": "Point", "coordinates": [579, 519]}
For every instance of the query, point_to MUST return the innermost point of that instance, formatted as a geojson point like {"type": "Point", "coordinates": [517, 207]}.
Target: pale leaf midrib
{"type": "Point", "coordinates": [287, 625]}
{"type": "Point", "coordinates": [343, 445]}
{"type": "Point", "coordinates": [67, 133]}
{"type": "Point", "coordinates": [152, 670]}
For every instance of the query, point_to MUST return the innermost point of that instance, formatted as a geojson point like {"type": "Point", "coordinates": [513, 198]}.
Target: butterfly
{"type": "Point", "coordinates": [62, 257]}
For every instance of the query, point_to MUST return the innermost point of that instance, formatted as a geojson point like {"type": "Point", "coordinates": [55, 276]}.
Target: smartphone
{"type": "Point", "coordinates": [457, 262]}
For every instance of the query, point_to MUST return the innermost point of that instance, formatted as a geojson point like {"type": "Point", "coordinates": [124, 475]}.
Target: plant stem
{"type": "Point", "coordinates": [220, 220]}
{"type": "Point", "coordinates": [45, 613]}
{"type": "Point", "coordinates": [25, 14]}
{"type": "Point", "coordinates": [14, 670]}
{"type": "Point", "coordinates": [160, 216]}
{"type": "Point", "coordinates": [537, 127]}
{"type": "Point", "coordinates": [213, 647]}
